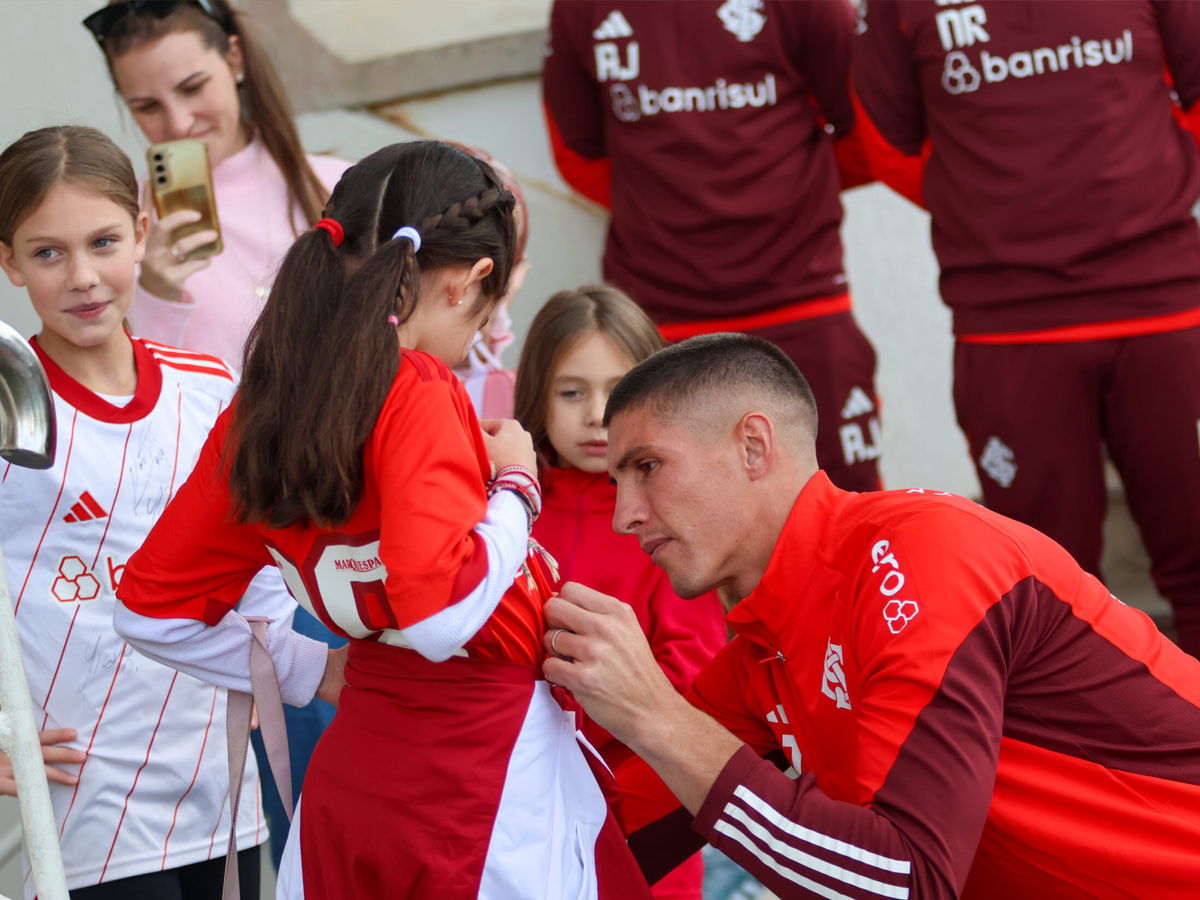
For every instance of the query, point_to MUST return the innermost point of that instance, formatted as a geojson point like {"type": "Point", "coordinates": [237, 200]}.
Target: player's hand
{"type": "Point", "coordinates": [508, 444]}
{"type": "Point", "coordinates": [602, 656]}
{"type": "Point", "coordinates": [164, 269]}
{"type": "Point", "coordinates": [334, 678]}
{"type": "Point", "coordinates": [50, 754]}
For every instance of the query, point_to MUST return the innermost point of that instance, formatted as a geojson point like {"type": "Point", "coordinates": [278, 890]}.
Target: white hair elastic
{"type": "Point", "coordinates": [412, 234]}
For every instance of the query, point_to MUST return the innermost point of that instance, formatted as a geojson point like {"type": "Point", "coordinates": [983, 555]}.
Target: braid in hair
{"type": "Point", "coordinates": [323, 356]}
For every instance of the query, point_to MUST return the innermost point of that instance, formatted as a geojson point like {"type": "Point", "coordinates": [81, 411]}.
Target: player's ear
{"type": "Point", "coordinates": [755, 433]}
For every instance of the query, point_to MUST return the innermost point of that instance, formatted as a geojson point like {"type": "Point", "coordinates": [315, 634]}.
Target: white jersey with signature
{"type": "Point", "coordinates": [153, 793]}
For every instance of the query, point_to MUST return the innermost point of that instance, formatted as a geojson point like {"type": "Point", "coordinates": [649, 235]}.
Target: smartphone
{"type": "Point", "coordinates": [181, 178]}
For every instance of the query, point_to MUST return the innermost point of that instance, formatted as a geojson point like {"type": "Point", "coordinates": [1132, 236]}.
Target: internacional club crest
{"type": "Point", "coordinates": [742, 18]}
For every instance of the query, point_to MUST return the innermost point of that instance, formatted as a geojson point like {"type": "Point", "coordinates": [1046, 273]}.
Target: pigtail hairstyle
{"type": "Point", "coordinates": [567, 318]}
{"type": "Point", "coordinates": [321, 359]}
{"type": "Point", "coordinates": [265, 105]}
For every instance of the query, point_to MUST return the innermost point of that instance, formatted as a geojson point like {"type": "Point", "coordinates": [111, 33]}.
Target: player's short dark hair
{"type": "Point", "coordinates": [686, 374]}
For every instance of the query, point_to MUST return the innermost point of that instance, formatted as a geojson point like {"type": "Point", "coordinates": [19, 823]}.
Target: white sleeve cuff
{"type": "Point", "coordinates": [505, 534]}
{"type": "Point", "coordinates": [220, 654]}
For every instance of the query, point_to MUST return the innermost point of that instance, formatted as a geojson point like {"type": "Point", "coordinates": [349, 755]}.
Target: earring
{"type": "Point", "coordinates": [240, 77]}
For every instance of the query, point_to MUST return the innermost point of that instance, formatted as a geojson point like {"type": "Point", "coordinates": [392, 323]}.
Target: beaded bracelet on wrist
{"type": "Point", "coordinates": [524, 484]}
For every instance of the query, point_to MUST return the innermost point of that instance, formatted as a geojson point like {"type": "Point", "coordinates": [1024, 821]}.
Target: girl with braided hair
{"type": "Point", "coordinates": [352, 460]}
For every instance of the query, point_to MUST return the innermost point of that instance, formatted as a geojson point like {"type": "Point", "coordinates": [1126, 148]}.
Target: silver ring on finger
{"type": "Point", "coordinates": [553, 645]}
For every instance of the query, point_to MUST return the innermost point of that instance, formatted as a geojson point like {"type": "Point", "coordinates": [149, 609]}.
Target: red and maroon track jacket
{"type": "Point", "coordinates": [970, 713]}
{"type": "Point", "coordinates": [716, 117]}
{"type": "Point", "coordinates": [1045, 133]}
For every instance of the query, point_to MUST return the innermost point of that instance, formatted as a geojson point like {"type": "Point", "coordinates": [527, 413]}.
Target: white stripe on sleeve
{"type": "Point", "coordinates": [768, 812]}
{"type": "Point", "coordinates": [779, 848]}
{"type": "Point", "coordinates": [768, 860]}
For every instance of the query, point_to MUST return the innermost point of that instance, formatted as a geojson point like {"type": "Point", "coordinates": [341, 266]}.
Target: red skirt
{"type": "Point", "coordinates": [460, 779]}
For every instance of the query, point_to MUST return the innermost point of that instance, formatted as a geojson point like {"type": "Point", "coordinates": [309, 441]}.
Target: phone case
{"type": "Point", "coordinates": [180, 178]}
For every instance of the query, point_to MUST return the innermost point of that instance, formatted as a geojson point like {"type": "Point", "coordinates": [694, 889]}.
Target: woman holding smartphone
{"type": "Point", "coordinates": [194, 69]}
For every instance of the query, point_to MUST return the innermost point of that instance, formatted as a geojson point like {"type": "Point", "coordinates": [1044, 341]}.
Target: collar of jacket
{"type": "Point", "coordinates": [776, 606]}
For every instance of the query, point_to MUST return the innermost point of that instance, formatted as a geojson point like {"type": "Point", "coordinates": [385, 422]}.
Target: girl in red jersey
{"type": "Point", "coordinates": [579, 346]}
{"type": "Point", "coordinates": [353, 461]}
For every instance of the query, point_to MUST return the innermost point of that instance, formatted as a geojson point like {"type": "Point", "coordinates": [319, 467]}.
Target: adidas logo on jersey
{"type": "Point", "coordinates": [85, 510]}
{"type": "Point", "coordinates": [857, 404]}
{"type": "Point", "coordinates": [615, 26]}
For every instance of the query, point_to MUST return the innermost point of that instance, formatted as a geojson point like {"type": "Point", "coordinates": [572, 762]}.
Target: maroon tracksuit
{"type": "Point", "coordinates": [716, 120]}
{"type": "Point", "coordinates": [1043, 141]}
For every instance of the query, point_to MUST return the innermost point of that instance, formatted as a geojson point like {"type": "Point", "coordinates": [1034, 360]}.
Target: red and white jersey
{"type": "Point", "coordinates": [152, 793]}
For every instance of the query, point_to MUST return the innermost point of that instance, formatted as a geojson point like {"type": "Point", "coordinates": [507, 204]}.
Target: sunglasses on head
{"type": "Point", "coordinates": [106, 22]}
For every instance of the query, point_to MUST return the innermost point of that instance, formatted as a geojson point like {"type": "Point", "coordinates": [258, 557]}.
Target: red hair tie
{"type": "Point", "coordinates": [334, 229]}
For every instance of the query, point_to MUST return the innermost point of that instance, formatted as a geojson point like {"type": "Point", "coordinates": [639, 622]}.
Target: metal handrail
{"type": "Point", "coordinates": [26, 439]}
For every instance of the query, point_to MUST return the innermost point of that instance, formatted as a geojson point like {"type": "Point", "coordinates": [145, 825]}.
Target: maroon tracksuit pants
{"type": "Point", "coordinates": [839, 364]}
{"type": "Point", "coordinates": [1036, 416]}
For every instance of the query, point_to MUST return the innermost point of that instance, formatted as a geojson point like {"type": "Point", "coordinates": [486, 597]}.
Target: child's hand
{"type": "Point", "coordinates": [508, 444]}
{"type": "Point", "coordinates": [164, 269]}
{"type": "Point", "coordinates": [334, 678]}
{"type": "Point", "coordinates": [50, 754]}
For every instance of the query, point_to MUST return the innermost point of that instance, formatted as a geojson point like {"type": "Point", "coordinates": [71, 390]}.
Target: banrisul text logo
{"type": "Point", "coordinates": [1078, 54]}
{"type": "Point", "coordinates": [721, 95]}
{"type": "Point", "coordinates": [962, 27]}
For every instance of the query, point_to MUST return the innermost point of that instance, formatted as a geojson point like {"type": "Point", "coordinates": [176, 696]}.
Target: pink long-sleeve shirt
{"type": "Point", "coordinates": [221, 303]}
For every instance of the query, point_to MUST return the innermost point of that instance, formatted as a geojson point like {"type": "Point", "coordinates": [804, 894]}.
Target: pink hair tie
{"type": "Point", "coordinates": [334, 229]}
{"type": "Point", "coordinates": [392, 320]}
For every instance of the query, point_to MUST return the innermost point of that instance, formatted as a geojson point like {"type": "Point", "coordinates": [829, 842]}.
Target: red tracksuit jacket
{"type": "Point", "coordinates": [1043, 139]}
{"type": "Point", "coordinates": [970, 713]}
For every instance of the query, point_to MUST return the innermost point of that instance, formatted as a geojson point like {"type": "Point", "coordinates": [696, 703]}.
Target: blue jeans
{"type": "Point", "coordinates": [304, 728]}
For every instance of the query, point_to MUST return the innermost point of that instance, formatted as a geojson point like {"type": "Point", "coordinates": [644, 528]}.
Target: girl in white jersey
{"type": "Point", "coordinates": [135, 751]}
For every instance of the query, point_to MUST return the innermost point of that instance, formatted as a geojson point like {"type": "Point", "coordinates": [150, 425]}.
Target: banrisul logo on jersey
{"type": "Point", "coordinates": [965, 26]}
{"type": "Point", "coordinates": [618, 60]}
